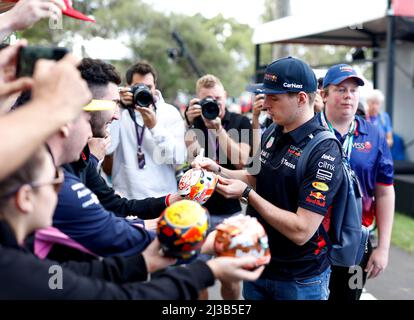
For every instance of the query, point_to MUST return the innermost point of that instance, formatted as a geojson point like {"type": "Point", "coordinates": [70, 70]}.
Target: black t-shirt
{"type": "Point", "coordinates": [276, 182]}
{"type": "Point", "coordinates": [239, 129]}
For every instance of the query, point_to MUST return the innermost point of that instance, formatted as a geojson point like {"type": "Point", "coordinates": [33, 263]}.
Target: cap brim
{"type": "Point", "coordinates": [339, 80]}
{"type": "Point", "coordinates": [100, 105]}
{"type": "Point", "coordinates": [70, 12]}
{"type": "Point", "coordinates": [259, 88]}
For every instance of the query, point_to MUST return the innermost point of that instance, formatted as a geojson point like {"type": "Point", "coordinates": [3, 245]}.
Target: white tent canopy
{"type": "Point", "coordinates": [335, 23]}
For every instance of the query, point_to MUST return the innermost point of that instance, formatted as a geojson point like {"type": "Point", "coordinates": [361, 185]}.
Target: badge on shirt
{"type": "Point", "coordinates": [270, 142]}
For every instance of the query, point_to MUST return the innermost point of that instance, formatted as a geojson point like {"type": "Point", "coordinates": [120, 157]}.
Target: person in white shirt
{"type": "Point", "coordinates": [147, 142]}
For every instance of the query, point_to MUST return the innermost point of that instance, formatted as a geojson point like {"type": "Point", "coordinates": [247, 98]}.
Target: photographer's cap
{"type": "Point", "coordinates": [286, 75]}
{"type": "Point", "coordinates": [340, 72]}
{"type": "Point", "coordinates": [100, 105]}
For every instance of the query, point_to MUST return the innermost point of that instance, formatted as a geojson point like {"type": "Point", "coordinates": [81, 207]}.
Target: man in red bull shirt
{"type": "Point", "coordinates": [290, 212]}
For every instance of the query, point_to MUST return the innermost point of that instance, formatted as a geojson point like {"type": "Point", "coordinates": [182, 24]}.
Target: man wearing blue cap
{"type": "Point", "coordinates": [290, 212]}
{"type": "Point", "coordinates": [370, 158]}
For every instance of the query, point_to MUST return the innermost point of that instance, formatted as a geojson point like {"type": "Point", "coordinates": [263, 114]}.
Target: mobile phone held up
{"type": "Point", "coordinates": [30, 54]}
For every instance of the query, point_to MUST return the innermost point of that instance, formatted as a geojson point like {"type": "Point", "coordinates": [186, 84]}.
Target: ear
{"type": "Point", "coordinates": [302, 98]}
{"type": "Point", "coordinates": [24, 199]}
{"type": "Point", "coordinates": [64, 131]}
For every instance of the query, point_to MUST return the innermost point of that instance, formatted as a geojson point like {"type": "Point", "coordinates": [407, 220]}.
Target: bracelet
{"type": "Point", "coordinates": [167, 200]}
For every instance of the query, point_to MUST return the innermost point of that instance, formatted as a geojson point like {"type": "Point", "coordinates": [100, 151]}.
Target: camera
{"type": "Point", "coordinates": [209, 108]}
{"type": "Point", "coordinates": [142, 95]}
{"type": "Point", "coordinates": [28, 56]}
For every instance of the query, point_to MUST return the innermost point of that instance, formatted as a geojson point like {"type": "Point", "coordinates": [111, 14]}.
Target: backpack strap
{"type": "Point", "coordinates": [307, 151]}
{"type": "Point", "coordinates": [303, 160]}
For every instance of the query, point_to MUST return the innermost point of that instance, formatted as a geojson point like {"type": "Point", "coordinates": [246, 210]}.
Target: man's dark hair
{"type": "Point", "coordinates": [98, 74]}
{"type": "Point", "coordinates": [320, 83]}
{"type": "Point", "coordinates": [142, 68]}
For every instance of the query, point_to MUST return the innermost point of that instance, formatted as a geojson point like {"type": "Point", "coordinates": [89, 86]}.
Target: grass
{"type": "Point", "coordinates": [403, 232]}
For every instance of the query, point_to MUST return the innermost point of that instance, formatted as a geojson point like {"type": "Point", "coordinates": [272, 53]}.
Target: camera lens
{"type": "Point", "coordinates": [142, 95]}
{"type": "Point", "coordinates": [209, 108]}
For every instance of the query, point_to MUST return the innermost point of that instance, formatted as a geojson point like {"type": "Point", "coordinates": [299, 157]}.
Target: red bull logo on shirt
{"type": "Point", "coordinates": [317, 198]}
{"type": "Point", "coordinates": [317, 195]}
{"type": "Point", "coordinates": [295, 151]}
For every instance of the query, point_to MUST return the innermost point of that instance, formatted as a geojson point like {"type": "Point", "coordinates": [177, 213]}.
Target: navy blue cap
{"type": "Point", "coordinates": [340, 72]}
{"type": "Point", "coordinates": [286, 75]}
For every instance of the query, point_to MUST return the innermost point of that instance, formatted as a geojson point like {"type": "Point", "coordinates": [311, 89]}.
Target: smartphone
{"type": "Point", "coordinates": [28, 56]}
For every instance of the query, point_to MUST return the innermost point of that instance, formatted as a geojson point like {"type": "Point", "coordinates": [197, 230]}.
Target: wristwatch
{"type": "Point", "coordinates": [245, 195]}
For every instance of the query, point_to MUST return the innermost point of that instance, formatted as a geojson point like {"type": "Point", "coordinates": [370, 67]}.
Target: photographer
{"type": "Point", "coordinates": [226, 136]}
{"type": "Point", "coordinates": [103, 80]}
{"type": "Point", "coordinates": [261, 120]}
{"type": "Point", "coordinates": [148, 140]}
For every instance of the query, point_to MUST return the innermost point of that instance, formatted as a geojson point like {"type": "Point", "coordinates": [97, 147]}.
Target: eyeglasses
{"type": "Point", "coordinates": [56, 183]}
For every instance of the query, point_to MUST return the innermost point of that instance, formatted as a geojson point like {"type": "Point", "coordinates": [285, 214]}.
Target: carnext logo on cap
{"type": "Point", "coordinates": [270, 77]}
{"type": "Point", "coordinates": [292, 85]}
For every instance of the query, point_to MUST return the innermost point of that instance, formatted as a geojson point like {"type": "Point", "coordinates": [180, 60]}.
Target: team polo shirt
{"type": "Point", "coordinates": [372, 162]}
{"type": "Point", "coordinates": [276, 182]}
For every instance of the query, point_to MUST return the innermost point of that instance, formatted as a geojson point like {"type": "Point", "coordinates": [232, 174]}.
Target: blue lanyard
{"type": "Point", "coordinates": [349, 140]}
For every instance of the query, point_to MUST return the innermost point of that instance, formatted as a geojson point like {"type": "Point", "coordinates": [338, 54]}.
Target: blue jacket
{"type": "Point", "coordinates": [80, 215]}
{"type": "Point", "coordinates": [86, 169]}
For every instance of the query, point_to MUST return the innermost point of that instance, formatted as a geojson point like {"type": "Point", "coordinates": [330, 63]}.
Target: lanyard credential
{"type": "Point", "coordinates": [349, 140]}
{"type": "Point", "coordinates": [140, 139]}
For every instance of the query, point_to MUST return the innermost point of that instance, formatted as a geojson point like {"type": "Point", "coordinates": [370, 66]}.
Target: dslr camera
{"type": "Point", "coordinates": [209, 108]}
{"type": "Point", "coordinates": [142, 95]}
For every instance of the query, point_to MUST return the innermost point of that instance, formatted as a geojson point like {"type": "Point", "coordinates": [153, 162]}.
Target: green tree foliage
{"type": "Point", "coordinates": [220, 46]}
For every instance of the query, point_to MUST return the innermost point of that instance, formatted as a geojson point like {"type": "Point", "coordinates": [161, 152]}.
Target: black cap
{"type": "Point", "coordinates": [286, 75]}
